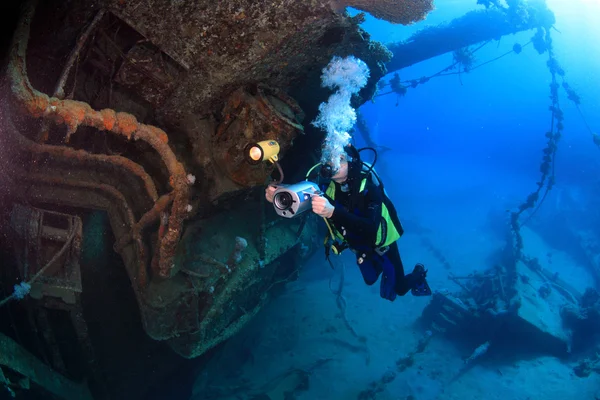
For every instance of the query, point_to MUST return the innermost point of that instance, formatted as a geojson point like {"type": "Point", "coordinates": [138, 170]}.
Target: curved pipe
{"type": "Point", "coordinates": [64, 152]}
{"type": "Point", "coordinates": [74, 113]}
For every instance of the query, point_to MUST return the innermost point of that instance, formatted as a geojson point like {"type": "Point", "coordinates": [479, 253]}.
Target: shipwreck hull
{"type": "Point", "coordinates": [140, 113]}
{"type": "Point", "coordinates": [514, 312]}
{"type": "Point", "coordinates": [175, 211]}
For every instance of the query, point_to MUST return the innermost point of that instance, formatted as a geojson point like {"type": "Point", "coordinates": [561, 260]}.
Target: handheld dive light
{"type": "Point", "coordinates": [292, 200]}
{"type": "Point", "coordinates": [266, 150]}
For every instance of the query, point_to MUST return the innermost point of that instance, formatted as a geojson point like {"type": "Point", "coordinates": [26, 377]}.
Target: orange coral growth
{"type": "Point", "coordinates": [38, 106]}
{"type": "Point", "coordinates": [159, 133]}
{"type": "Point", "coordinates": [403, 12]}
{"type": "Point", "coordinates": [126, 124]}
{"type": "Point", "coordinates": [71, 114]}
{"type": "Point", "coordinates": [21, 143]}
{"type": "Point", "coordinates": [108, 119]}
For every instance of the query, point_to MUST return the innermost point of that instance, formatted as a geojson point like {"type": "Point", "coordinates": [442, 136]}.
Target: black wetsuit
{"type": "Point", "coordinates": [359, 216]}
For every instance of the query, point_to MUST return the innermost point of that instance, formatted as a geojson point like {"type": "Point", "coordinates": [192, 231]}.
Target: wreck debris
{"type": "Point", "coordinates": [585, 367]}
{"type": "Point", "coordinates": [60, 276]}
{"type": "Point", "coordinates": [169, 304]}
{"type": "Point", "coordinates": [57, 285]}
{"type": "Point", "coordinates": [505, 304]}
{"type": "Point", "coordinates": [568, 291]}
{"type": "Point", "coordinates": [18, 359]}
{"type": "Point", "coordinates": [139, 278]}
{"type": "Point", "coordinates": [583, 320]}
{"type": "Point", "coordinates": [59, 90]}
{"type": "Point", "coordinates": [65, 279]}
{"type": "Point", "coordinates": [403, 12]}
{"type": "Point", "coordinates": [75, 113]}
{"type": "Point", "coordinates": [478, 352]}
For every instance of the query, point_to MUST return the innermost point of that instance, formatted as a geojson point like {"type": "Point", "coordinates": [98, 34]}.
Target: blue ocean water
{"type": "Point", "coordinates": [462, 154]}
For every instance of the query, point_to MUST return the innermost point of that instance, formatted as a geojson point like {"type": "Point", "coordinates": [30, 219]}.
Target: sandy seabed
{"type": "Point", "coordinates": [302, 336]}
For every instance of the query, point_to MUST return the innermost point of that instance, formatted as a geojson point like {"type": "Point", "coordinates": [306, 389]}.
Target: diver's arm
{"type": "Point", "coordinates": [366, 225]}
{"type": "Point", "coordinates": [270, 193]}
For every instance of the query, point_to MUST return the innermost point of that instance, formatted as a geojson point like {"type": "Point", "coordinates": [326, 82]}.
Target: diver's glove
{"type": "Point", "coordinates": [388, 280]}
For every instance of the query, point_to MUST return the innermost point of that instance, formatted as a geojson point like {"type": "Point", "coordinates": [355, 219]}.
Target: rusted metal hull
{"type": "Point", "coordinates": [176, 201]}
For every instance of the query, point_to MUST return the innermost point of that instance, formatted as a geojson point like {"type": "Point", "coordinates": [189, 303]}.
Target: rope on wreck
{"type": "Point", "coordinates": [22, 289]}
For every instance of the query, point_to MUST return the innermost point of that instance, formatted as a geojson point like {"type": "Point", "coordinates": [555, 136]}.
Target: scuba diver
{"type": "Point", "coordinates": [360, 217]}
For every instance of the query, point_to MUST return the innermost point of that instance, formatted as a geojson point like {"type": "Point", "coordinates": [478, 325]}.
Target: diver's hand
{"type": "Point", "coordinates": [270, 192]}
{"type": "Point", "coordinates": [322, 207]}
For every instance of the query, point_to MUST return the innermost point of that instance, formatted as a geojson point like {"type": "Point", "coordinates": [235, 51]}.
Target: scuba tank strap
{"type": "Point", "coordinates": [356, 190]}
{"type": "Point", "coordinates": [331, 234]}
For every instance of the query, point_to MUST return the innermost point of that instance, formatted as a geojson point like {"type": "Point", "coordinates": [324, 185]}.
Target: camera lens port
{"type": "Point", "coordinates": [283, 200]}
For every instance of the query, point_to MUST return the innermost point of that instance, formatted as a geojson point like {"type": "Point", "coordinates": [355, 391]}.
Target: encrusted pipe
{"type": "Point", "coordinates": [79, 155]}
{"type": "Point", "coordinates": [59, 89]}
{"type": "Point", "coordinates": [141, 275]}
{"type": "Point", "coordinates": [149, 217]}
{"type": "Point", "coordinates": [74, 113]}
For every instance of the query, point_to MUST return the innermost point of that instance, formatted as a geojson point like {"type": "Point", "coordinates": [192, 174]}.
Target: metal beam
{"type": "Point", "coordinates": [472, 28]}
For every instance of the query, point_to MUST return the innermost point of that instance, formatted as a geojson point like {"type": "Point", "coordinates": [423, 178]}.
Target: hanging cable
{"type": "Point", "coordinates": [413, 83]}
{"type": "Point", "coordinates": [22, 289]}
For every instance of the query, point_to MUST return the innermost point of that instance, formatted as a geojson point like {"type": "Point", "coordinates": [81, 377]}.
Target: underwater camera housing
{"type": "Point", "coordinates": [292, 200]}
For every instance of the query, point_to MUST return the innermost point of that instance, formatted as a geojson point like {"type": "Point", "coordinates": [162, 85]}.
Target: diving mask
{"type": "Point", "coordinates": [328, 171]}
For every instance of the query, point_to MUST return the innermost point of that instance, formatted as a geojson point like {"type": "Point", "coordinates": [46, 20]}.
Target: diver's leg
{"type": "Point", "coordinates": [403, 282]}
{"type": "Point", "coordinates": [389, 278]}
{"type": "Point", "coordinates": [369, 268]}
{"type": "Point", "coordinates": [415, 281]}
{"type": "Point", "coordinates": [372, 265]}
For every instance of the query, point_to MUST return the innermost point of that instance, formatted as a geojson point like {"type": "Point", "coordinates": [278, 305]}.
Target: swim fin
{"type": "Point", "coordinates": [421, 287]}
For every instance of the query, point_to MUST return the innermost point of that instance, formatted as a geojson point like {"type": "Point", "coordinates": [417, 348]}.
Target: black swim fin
{"type": "Point", "coordinates": [421, 287]}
